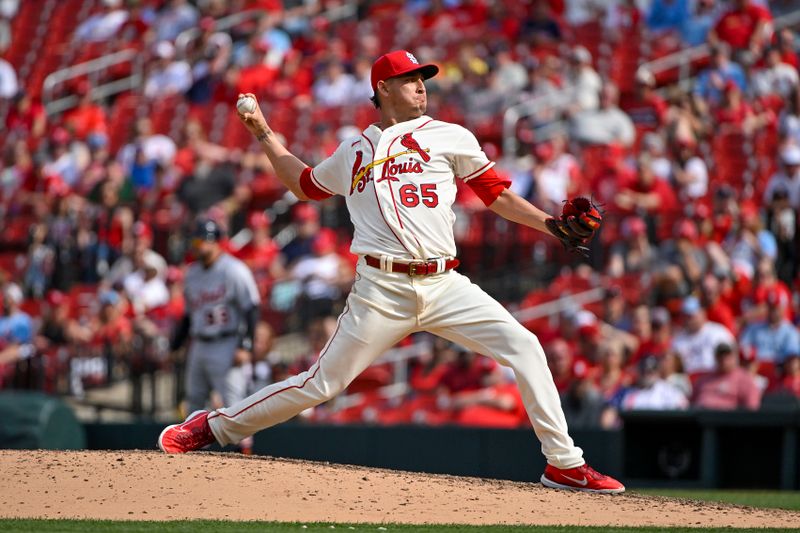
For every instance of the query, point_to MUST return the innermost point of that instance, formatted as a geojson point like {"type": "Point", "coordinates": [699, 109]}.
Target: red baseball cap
{"type": "Point", "coordinates": [397, 63]}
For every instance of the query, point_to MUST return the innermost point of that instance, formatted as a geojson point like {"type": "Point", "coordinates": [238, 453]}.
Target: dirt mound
{"type": "Point", "coordinates": [154, 486]}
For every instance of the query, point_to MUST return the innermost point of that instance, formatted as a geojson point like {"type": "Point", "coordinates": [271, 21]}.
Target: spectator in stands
{"type": "Point", "coordinates": [111, 226]}
{"type": "Point", "coordinates": [88, 121]}
{"type": "Point", "coordinates": [211, 184]}
{"type": "Point", "coordinates": [670, 368]}
{"type": "Point", "coordinates": [667, 16]}
{"type": "Point", "coordinates": [685, 120]}
{"type": "Point", "coordinates": [682, 258]}
{"type": "Point", "coordinates": [67, 157]}
{"type": "Point", "coordinates": [654, 391]}
{"type": "Point", "coordinates": [785, 43]}
{"type": "Point", "coordinates": [175, 17]}
{"type": "Point", "coordinates": [560, 360]}
{"type": "Point", "coordinates": [257, 74]}
{"type": "Point", "coordinates": [696, 340]}
{"type": "Point", "coordinates": [654, 148]}
{"type": "Point", "coordinates": [140, 253]}
{"type": "Point", "coordinates": [746, 27]}
{"type": "Point", "coordinates": [695, 27]}
{"type": "Point", "coordinates": [9, 86]}
{"type": "Point", "coordinates": [775, 77]}
{"type": "Point", "coordinates": [585, 81]}
{"type": "Point", "coordinates": [749, 243]}
{"type": "Point", "coordinates": [276, 39]}
{"type": "Point", "coordinates": [16, 327]}
{"type": "Point", "coordinates": [774, 339]}
{"type": "Point", "coordinates": [261, 254]}
{"type": "Point", "coordinates": [789, 120]}
{"type": "Point", "coordinates": [612, 376]}
{"type": "Point", "coordinates": [606, 125]}
{"type": "Point", "coordinates": [41, 260]}
{"type": "Point", "coordinates": [103, 25]}
{"type": "Point", "coordinates": [305, 219]}
{"type": "Point", "coordinates": [647, 110]}
{"type": "Point", "coordinates": [209, 56]}
{"type": "Point", "coordinates": [169, 76]}
{"type": "Point", "coordinates": [469, 372]}
{"type": "Point", "coordinates": [623, 19]}
{"type": "Point", "coordinates": [711, 83]}
{"type": "Point", "coordinates": [735, 115]}
{"type": "Point", "coordinates": [653, 330]}
{"type": "Point", "coordinates": [144, 286]}
{"type": "Point", "coordinates": [790, 375]}
{"type": "Point", "coordinates": [540, 27]}
{"type": "Point", "coordinates": [645, 194]}
{"type": "Point", "coordinates": [579, 12]}
{"type": "Point", "coordinates": [782, 222]}
{"type": "Point", "coordinates": [263, 344]}
{"type": "Point", "coordinates": [57, 328]}
{"type": "Point", "coordinates": [323, 276]}
{"type": "Point", "coordinates": [633, 253]}
{"type": "Point", "coordinates": [556, 174]}
{"type": "Point", "coordinates": [717, 308]}
{"type": "Point", "coordinates": [497, 405]}
{"type": "Point", "coordinates": [787, 178]}
{"type": "Point", "coordinates": [729, 386]}
{"type": "Point", "coordinates": [26, 119]}
{"type": "Point", "coordinates": [362, 84]}
{"type": "Point", "coordinates": [615, 308]}
{"type": "Point", "coordinates": [334, 87]}
{"type": "Point", "coordinates": [689, 171]}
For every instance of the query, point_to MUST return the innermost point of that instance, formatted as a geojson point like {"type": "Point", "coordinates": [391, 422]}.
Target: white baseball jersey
{"type": "Point", "coordinates": [400, 185]}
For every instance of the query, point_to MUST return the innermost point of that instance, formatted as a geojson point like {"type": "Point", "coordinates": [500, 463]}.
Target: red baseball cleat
{"type": "Point", "coordinates": [192, 434]}
{"type": "Point", "coordinates": [583, 478]}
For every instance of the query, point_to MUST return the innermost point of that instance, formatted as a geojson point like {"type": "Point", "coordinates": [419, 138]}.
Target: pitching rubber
{"type": "Point", "coordinates": [553, 485]}
{"type": "Point", "coordinates": [161, 436]}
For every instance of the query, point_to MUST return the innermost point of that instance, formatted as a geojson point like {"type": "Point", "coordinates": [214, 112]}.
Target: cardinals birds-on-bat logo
{"type": "Point", "coordinates": [411, 143]}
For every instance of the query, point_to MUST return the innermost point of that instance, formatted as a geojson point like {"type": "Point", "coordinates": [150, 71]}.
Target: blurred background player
{"type": "Point", "coordinates": [222, 304]}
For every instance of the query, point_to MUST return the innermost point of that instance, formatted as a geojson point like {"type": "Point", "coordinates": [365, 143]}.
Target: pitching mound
{"type": "Point", "coordinates": [154, 486]}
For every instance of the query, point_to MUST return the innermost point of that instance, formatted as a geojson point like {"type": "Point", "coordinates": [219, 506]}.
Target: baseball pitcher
{"type": "Point", "coordinates": [399, 181]}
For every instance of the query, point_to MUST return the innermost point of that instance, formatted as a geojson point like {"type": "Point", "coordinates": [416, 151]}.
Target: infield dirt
{"type": "Point", "coordinates": [153, 486]}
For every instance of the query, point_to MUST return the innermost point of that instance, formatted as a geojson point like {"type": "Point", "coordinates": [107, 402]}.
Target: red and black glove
{"type": "Point", "coordinates": [579, 221]}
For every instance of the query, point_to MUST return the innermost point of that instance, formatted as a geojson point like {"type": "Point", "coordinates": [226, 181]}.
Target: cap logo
{"type": "Point", "coordinates": [412, 58]}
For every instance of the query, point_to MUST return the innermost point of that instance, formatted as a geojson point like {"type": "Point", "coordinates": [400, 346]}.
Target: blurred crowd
{"type": "Point", "coordinates": [699, 180]}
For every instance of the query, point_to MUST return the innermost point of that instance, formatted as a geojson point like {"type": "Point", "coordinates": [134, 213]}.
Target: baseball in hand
{"type": "Point", "coordinates": [246, 104]}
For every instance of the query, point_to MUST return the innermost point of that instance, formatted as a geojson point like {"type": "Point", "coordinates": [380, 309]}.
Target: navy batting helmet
{"type": "Point", "coordinates": [207, 230]}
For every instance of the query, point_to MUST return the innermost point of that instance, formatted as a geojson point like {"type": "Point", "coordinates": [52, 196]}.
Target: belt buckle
{"type": "Point", "coordinates": [414, 265]}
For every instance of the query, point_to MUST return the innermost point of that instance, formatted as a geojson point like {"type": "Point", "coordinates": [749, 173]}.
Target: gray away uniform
{"type": "Point", "coordinates": [218, 300]}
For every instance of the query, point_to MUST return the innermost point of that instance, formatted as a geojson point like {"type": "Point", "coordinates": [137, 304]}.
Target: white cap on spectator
{"type": "Point", "coordinates": [645, 77]}
{"type": "Point", "coordinates": [112, 3]}
{"type": "Point", "coordinates": [581, 54]}
{"type": "Point", "coordinates": [13, 293]}
{"type": "Point", "coordinates": [791, 155]}
{"type": "Point", "coordinates": [164, 50]}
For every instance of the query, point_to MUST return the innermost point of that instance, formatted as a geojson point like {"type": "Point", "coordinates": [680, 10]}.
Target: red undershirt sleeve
{"type": "Point", "coordinates": [310, 188]}
{"type": "Point", "coordinates": [488, 186]}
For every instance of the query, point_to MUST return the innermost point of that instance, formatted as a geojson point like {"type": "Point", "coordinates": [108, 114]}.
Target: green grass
{"type": "Point", "coordinates": [201, 526]}
{"type": "Point", "coordinates": [755, 498]}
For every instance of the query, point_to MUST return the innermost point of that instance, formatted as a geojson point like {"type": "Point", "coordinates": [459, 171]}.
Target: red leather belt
{"type": "Point", "coordinates": [415, 268]}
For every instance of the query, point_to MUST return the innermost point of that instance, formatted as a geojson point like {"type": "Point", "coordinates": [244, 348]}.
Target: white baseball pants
{"type": "Point", "coordinates": [385, 307]}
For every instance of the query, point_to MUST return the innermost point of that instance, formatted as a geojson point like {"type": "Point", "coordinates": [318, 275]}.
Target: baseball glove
{"type": "Point", "coordinates": [579, 221]}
